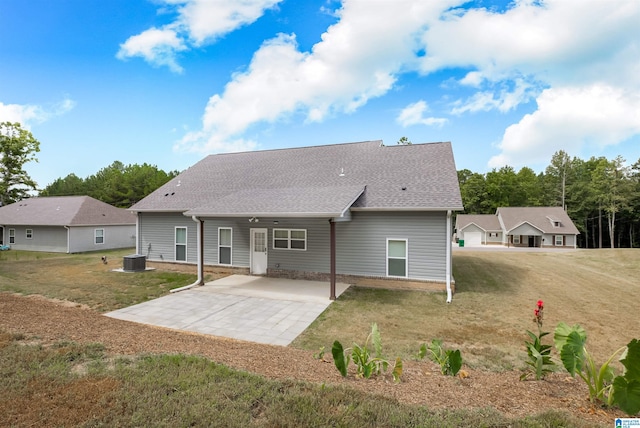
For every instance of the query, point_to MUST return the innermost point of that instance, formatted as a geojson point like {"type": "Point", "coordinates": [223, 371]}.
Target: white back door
{"type": "Point", "coordinates": [258, 251]}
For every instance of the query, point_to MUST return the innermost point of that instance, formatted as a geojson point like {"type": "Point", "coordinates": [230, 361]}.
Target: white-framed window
{"type": "Point", "coordinates": [181, 244]}
{"type": "Point", "coordinates": [12, 236]}
{"type": "Point", "coordinates": [558, 240]}
{"type": "Point", "coordinates": [397, 257]}
{"type": "Point", "coordinates": [516, 239]}
{"type": "Point", "coordinates": [290, 239]}
{"type": "Point", "coordinates": [493, 234]}
{"type": "Point", "coordinates": [98, 236]}
{"type": "Point", "coordinates": [28, 233]}
{"type": "Point", "coordinates": [225, 240]}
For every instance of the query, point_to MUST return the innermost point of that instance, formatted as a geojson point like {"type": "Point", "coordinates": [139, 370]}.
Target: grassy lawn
{"type": "Point", "coordinates": [496, 293]}
{"type": "Point", "coordinates": [84, 279]}
{"type": "Point", "coordinates": [72, 385]}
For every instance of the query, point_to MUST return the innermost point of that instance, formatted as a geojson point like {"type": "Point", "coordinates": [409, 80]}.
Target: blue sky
{"type": "Point", "coordinates": [168, 81]}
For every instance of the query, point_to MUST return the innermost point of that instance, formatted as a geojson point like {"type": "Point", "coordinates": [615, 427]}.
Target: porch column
{"type": "Point", "coordinates": [332, 233]}
{"type": "Point", "coordinates": [200, 252]}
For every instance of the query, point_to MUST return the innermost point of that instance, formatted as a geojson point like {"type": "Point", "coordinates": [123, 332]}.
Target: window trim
{"type": "Point", "coordinates": [555, 240]}
{"type": "Point", "coordinates": [175, 243]}
{"type": "Point", "coordinates": [230, 246]}
{"type": "Point", "coordinates": [28, 234]}
{"type": "Point", "coordinates": [12, 236]}
{"type": "Point", "coordinates": [95, 236]}
{"type": "Point", "coordinates": [406, 258]}
{"type": "Point", "coordinates": [289, 239]}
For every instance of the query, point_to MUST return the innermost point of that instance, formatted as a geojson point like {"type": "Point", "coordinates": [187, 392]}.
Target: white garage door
{"type": "Point", "coordinates": [473, 239]}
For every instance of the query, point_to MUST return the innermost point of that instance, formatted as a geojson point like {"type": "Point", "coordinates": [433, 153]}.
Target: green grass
{"type": "Point", "coordinates": [496, 293]}
{"type": "Point", "coordinates": [84, 279]}
{"type": "Point", "coordinates": [72, 385]}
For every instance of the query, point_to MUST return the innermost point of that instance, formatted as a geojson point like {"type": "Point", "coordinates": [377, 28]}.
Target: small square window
{"type": "Point", "coordinates": [29, 233]}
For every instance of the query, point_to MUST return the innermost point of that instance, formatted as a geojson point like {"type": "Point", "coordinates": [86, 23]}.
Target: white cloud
{"type": "Point", "coordinates": [553, 49]}
{"type": "Point", "coordinates": [158, 47]}
{"type": "Point", "coordinates": [571, 118]}
{"type": "Point", "coordinates": [27, 114]}
{"type": "Point", "coordinates": [357, 59]}
{"type": "Point", "coordinates": [413, 114]}
{"type": "Point", "coordinates": [505, 100]}
{"type": "Point", "coordinates": [197, 22]}
{"type": "Point", "coordinates": [580, 60]}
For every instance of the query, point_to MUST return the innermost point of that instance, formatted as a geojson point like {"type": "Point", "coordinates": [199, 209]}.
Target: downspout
{"type": "Point", "coordinates": [448, 258]}
{"type": "Point", "coordinates": [200, 255]}
{"type": "Point", "coordinates": [68, 239]}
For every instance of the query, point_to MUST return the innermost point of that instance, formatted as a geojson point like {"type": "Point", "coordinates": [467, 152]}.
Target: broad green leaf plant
{"type": "Point", "coordinates": [450, 361]}
{"type": "Point", "coordinates": [366, 364]}
{"type": "Point", "coordinates": [604, 386]}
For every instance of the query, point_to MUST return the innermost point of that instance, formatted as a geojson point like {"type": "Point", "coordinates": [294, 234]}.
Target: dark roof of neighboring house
{"type": "Point", "coordinates": [64, 211]}
{"type": "Point", "coordinates": [324, 180]}
{"type": "Point", "coordinates": [540, 217]}
{"type": "Point", "coordinates": [486, 222]}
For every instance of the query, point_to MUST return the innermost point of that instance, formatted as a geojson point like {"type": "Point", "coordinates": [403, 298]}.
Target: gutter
{"type": "Point", "coordinates": [448, 258]}
{"type": "Point", "coordinates": [200, 238]}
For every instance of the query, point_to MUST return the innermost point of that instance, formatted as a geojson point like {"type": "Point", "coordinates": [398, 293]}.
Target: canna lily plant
{"type": "Point", "coordinates": [538, 353]}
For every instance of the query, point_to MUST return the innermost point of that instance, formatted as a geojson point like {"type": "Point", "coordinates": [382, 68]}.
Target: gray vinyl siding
{"type": "Point", "coordinates": [83, 238]}
{"type": "Point", "coordinates": [361, 243]}
{"type": "Point", "coordinates": [157, 236]}
{"type": "Point", "coordinates": [45, 238]}
{"type": "Point", "coordinates": [525, 229]}
{"type": "Point", "coordinates": [549, 240]}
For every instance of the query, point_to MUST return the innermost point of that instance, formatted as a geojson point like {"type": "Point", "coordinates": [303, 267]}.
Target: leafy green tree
{"type": "Point", "coordinates": [556, 174]}
{"type": "Point", "coordinates": [474, 192]}
{"type": "Point", "coordinates": [17, 147]}
{"type": "Point", "coordinates": [117, 184]}
{"type": "Point", "coordinates": [69, 186]}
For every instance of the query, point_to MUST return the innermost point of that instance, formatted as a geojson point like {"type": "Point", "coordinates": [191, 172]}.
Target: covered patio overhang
{"type": "Point", "coordinates": [332, 203]}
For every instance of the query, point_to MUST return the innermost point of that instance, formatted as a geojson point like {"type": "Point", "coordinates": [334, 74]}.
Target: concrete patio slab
{"type": "Point", "coordinates": [257, 309]}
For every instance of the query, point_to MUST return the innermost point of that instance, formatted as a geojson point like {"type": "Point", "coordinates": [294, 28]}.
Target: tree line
{"type": "Point", "coordinates": [117, 184]}
{"type": "Point", "coordinates": [601, 196]}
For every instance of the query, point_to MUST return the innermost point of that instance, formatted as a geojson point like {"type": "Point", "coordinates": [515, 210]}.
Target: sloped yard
{"type": "Point", "coordinates": [487, 320]}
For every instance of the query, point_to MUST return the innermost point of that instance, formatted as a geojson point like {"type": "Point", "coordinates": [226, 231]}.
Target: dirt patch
{"type": "Point", "coordinates": [421, 382]}
{"type": "Point", "coordinates": [52, 404]}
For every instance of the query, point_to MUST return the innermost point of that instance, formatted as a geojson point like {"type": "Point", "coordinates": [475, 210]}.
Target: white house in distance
{"type": "Point", "coordinates": [359, 209]}
{"type": "Point", "coordinates": [518, 227]}
{"type": "Point", "coordinates": [66, 224]}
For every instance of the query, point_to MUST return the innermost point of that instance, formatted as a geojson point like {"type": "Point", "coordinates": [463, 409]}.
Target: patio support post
{"type": "Point", "coordinates": [448, 258]}
{"type": "Point", "coordinates": [332, 228]}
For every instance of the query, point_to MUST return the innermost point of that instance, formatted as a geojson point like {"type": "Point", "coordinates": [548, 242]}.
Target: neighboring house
{"type": "Point", "coordinates": [518, 227]}
{"type": "Point", "coordinates": [66, 224]}
{"type": "Point", "coordinates": [361, 209]}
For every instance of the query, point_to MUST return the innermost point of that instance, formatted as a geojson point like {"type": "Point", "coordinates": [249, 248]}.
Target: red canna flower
{"type": "Point", "coordinates": [540, 304]}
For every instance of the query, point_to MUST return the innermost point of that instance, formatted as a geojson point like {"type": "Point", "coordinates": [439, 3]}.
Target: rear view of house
{"type": "Point", "coordinates": [518, 227]}
{"type": "Point", "coordinates": [66, 224]}
{"type": "Point", "coordinates": [360, 209]}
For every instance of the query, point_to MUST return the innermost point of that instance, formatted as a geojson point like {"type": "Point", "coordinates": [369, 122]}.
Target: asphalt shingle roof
{"type": "Point", "coordinates": [315, 179]}
{"type": "Point", "coordinates": [540, 217]}
{"type": "Point", "coordinates": [64, 211]}
{"type": "Point", "coordinates": [487, 222]}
